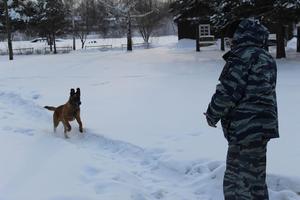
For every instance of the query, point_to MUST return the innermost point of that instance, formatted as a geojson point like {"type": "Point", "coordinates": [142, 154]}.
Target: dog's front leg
{"type": "Point", "coordinates": [77, 117]}
{"type": "Point", "coordinates": [67, 128]}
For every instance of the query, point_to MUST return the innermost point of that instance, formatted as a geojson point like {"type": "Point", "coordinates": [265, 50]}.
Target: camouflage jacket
{"type": "Point", "coordinates": [245, 98]}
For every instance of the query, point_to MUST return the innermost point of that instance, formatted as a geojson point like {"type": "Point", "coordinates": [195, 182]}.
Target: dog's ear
{"type": "Point", "coordinates": [72, 92]}
{"type": "Point", "coordinates": [78, 91]}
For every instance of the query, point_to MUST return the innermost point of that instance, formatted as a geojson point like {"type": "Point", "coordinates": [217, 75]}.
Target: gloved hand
{"type": "Point", "coordinates": [210, 121]}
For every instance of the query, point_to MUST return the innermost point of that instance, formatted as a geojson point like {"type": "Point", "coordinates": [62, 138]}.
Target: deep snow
{"type": "Point", "coordinates": [145, 134]}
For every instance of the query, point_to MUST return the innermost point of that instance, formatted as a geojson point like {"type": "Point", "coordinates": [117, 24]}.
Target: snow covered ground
{"type": "Point", "coordinates": [91, 44]}
{"type": "Point", "coordinates": [145, 135]}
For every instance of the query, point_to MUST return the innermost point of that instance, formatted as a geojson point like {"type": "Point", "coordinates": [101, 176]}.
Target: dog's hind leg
{"type": "Point", "coordinates": [65, 132]}
{"type": "Point", "coordinates": [55, 124]}
{"type": "Point", "coordinates": [77, 117]}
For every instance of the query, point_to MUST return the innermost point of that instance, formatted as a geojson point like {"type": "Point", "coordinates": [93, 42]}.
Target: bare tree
{"type": "Point", "coordinates": [157, 12]}
{"type": "Point", "coordinates": [125, 9]}
{"type": "Point", "coordinates": [91, 17]}
{"type": "Point", "coordinates": [71, 5]}
{"type": "Point", "coordinates": [82, 27]}
{"type": "Point", "coordinates": [81, 31]}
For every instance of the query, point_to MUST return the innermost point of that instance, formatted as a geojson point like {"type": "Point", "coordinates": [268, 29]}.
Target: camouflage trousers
{"type": "Point", "coordinates": [245, 175]}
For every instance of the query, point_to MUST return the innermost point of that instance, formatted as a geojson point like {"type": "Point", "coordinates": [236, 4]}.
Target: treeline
{"type": "Point", "coordinates": [51, 18]}
{"type": "Point", "coordinates": [277, 15]}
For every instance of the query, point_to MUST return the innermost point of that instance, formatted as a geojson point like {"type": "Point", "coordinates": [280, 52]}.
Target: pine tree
{"type": "Point", "coordinates": [227, 11]}
{"type": "Point", "coordinates": [277, 13]}
{"type": "Point", "coordinates": [51, 19]}
{"type": "Point", "coordinates": [283, 12]}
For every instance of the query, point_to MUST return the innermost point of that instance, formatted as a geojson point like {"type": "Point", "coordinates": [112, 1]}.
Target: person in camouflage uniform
{"type": "Point", "coordinates": [245, 102]}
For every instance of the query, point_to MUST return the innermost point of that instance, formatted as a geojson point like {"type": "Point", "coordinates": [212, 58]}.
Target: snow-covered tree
{"type": "Point", "coordinates": [17, 13]}
{"type": "Point", "coordinates": [13, 16]}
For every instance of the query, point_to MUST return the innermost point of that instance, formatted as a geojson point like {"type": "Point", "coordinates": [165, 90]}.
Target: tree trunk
{"type": "Point", "coordinates": [8, 30]}
{"type": "Point", "coordinates": [222, 42]}
{"type": "Point", "coordinates": [50, 42]}
{"type": "Point", "coordinates": [197, 39]}
{"type": "Point", "coordinates": [74, 42]}
{"type": "Point", "coordinates": [54, 44]}
{"type": "Point", "coordinates": [267, 48]}
{"type": "Point", "coordinates": [83, 42]}
{"type": "Point", "coordinates": [298, 39]}
{"type": "Point", "coordinates": [147, 41]}
{"type": "Point", "coordinates": [73, 25]}
{"type": "Point", "coordinates": [280, 53]}
{"type": "Point", "coordinates": [129, 39]}
{"type": "Point", "coordinates": [82, 37]}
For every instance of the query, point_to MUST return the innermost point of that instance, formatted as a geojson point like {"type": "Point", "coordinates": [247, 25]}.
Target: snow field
{"type": "Point", "coordinates": [145, 137]}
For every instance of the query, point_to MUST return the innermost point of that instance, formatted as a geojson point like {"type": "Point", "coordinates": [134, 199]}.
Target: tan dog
{"type": "Point", "coordinates": [67, 112]}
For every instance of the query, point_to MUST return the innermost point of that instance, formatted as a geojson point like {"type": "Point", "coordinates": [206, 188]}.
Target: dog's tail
{"type": "Point", "coordinates": [50, 108]}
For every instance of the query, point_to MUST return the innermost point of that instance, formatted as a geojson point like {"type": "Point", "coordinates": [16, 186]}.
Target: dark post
{"type": "Point", "coordinates": [54, 43]}
{"type": "Point", "coordinates": [50, 42]}
{"type": "Point", "coordinates": [197, 38]}
{"type": "Point", "coordinates": [222, 41]}
{"type": "Point", "coordinates": [280, 53]}
{"type": "Point", "coordinates": [73, 24]}
{"type": "Point", "coordinates": [129, 39]}
{"type": "Point", "coordinates": [298, 38]}
{"type": "Point", "coordinates": [8, 30]}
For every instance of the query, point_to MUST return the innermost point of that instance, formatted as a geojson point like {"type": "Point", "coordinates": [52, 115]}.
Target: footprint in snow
{"type": "Point", "coordinates": [138, 196]}
{"type": "Point", "coordinates": [102, 83]}
{"type": "Point", "coordinates": [36, 96]}
{"type": "Point", "coordinates": [24, 131]}
{"type": "Point", "coordinates": [68, 198]}
{"type": "Point", "coordinates": [91, 171]}
{"type": "Point", "coordinates": [160, 194]}
{"type": "Point", "coordinates": [6, 128]}
{"type": "Point", "coordinates": [89, 174]}
{"type": "Point", "coordinates": [194, 134]}
{"type": "Point", "coordinates": [8, 113]}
